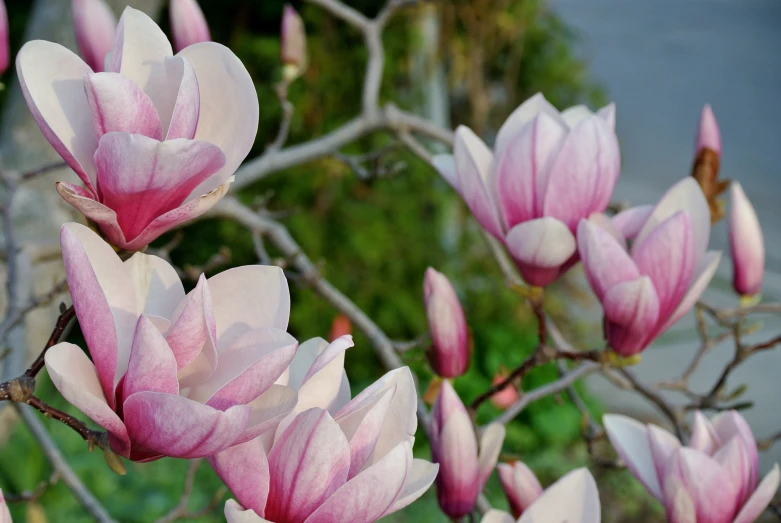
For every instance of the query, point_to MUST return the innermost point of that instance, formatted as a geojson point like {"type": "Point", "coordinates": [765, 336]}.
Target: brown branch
{"type": "Point", "coordinates": [59, 328]}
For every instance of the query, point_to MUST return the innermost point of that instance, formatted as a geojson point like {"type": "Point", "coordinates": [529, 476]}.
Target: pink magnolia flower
{"type": "Point", "coordinates": [572, 499]}
{"type": "Point", "coordinates": [520, 485]}
{"type": "Point", "coordinates": [96, 27]}
{"type": "Point", "coordinates": [462, 470]}
{"type": "Point", "coordinates": [712, 480]}
{"type": "Point", "coordinates": [646, 289]}
{"type": "Point", "coordinates": [352, 462]}
{"type": "Point", "coordinates": [5, 514]}
{"type": "Point", "coordinates": [547, 171]}
{"type": "Point", "coordinates": [746, 244]}
{"type": "Point", "coordinates": [293, 52]}
{"type": "Point", "coordinates": [188, 25]}
{"type": "Point", "coordinates": [449, 354]}
{"type": "Point", "coordinates": [5, 45]}
{"type": "Point", "coordinates": [155, 140]}
{"type": "Point", "coordinates": [173, 374]}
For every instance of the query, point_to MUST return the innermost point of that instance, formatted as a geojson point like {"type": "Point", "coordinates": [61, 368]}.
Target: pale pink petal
{"type": "Point", "coordinates": [139, 53]}
{"type": "Point", "coordinates": [85, 203]}
{"type": "Point", "coordinates": [455, 449]}
{"type": "Point", "coordinates": [152, 365]}
{"type": "Point", "coordinates": [175, 217]}
{"type": "Point", "coordinates": [574, 499]}
{"type": "Point", "coordinates": [608, 113]}
{"type": "Point", "coordinates": [708, 134]}
{"type": "Point", "coordinates": [702, 277]}
{"type": "Point", "coordinates": [187, 109]}
{"type": "Point", "coordinates": [104, 299]}
{"type": "Point", "coordinates": [446, 405]}
{"type": "Point", "coordinates": [541, 247]}
{"type": "Point", "coordinates": [685, 195]}
{"type": "Point", "coordinates": [491, 441]}
{"type": "Point", "coordinates": [703, 436]}
{"type": "Point", "coordinates": [667, 257]}
{"type": "Point", "coordinates": [366, 497]}
{"type": "Point", "coordinates": [761, 497]}
{"type": "Point", "coordinates": [734, 459]}
{"type": "Point", "coordinates": [630, 439]}
{"type": "Point", "coordinates": [188, 24]}
{"type": "Point", "coordinates": [473, 163]}
{"type": "Point", "coordinates": [5, 513]}
{"type": "Point", "coordinates": [678, 504]}
{"type": "Point", "coordinates": [95, 26]}
{"type": "Point", "coordinates": [746, 244]}
{"type": "Point", "coordinates": [268, 410]}
{"type": "Point", "coordinates": [575, 114]}
{"type": "Point", "coordinates": [497, 516]}
{"type": "Point", "coordinates": [419, 479]}
{"type": "Point", "coordinates": [521, 116]}
{"type": "Point", "coordinates": [120, 105]}
{"type": "Point", "coordinates": [603, 221]}
{"type": "Point", "coordinates": [520, 485]}
{"type": "Point", "coordinates": [445, 164]}
{"type": "Point", "coordinates": [307, 465]}
{"type": "Point", "coordinates": [158, 287]}
{"type": "Point", "coordinates": [52, 80]}
{"type": "Point", "coordinates": [229, 106]}
{"type": "Point", "coordinates": [247, 368]}
{"type": "Point", "coordinates": [583, 174]}
{"type": "Point", "coordinates": [175, 426]}
{"type": "Point", "coordinates": [522, 170]}
{"type": "Point", "coordinates": [631, 315]}
{"type": "Point", "coordinates": [192, 326]}
{"type": "Point", "coordinates": [248, 298]}
{"type": "Point", "coordinates": [729, 424]}
{"type": "Point", "coordinates": [235, 513]}
{"type": "Point", "coordinates": [713, 493]}
{"type": "Point", "coordinates": [244, 469]}
{"type": "Point", "coordinates": [605, 261]}
{"type": "Point", "coordinates": [362, 428]}
{"type": "Point", "coordinates": [141, 178]}
{"type": "Point", "coordinates": [631, 221]}
{"type": "Point", "coordinates": [75, 377]}
{"type": "Point", "coordinates": [663, 445]}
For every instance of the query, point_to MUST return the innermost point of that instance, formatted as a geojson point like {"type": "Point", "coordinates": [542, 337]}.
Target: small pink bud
{"type": "Point", "coordinates": [449, 354]}
{"type": "Point", "coordinates": [341, 326]}
{"type": "Point", "coordinates": [708, 135]}
{"type": "Point", "coordinates": [520, 485]}
{"type": "Point", "coordinates": [507, 396]}
{"type": "Point", "coordinates": [188, 25]}
{"type": "Point", "coordinates": [293, 47]}
{"type": "Point", "coordinates": [95, 26]}
{"type": "Point", "coordinates": [746, 244]}
{"type": "Point", "coordinates": [5, 52]}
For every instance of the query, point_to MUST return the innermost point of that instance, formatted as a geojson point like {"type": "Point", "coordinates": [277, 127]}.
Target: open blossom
{"type": "Point", "coordinates": [349, 462]}
{"type": "Point", "coordinates": [155, 140]}
{"type": "Point", "coordinates": [449, 353]}
{"type": "Point", "coordinates": [188, 25]}
{"type": "Point", "coordinates": [463, 470]}
{"type": "Point", "coordinates": [746, 244]}
{"type": "Point", "coordinates": [646, 289]}
{"type": "Point", "coordinates": [547, 171]}
{"type": "Point", "coordinates": [713, 479]}
{"type": "Point", "coordinates": [173, 374]}
{"type": "Point", "coordinates": [520, 485]}
{"type": "Point", "coordinates": [95, 26]}
{"type": "Point", "coordinates": [572, 499]}
{"type": "Point", "coordinates": [5, 514]}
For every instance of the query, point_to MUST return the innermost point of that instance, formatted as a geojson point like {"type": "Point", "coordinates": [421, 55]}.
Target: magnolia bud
{"type": "Point", "coordinates": [449, 354]}
{"type": "Point", "coordinates": [520, 485]}
{"type": "Point", "coordinates": [293, 47]}
{"type": "Point", "coordinates": [188, 25]}
{"type": "Point", "coordinates": [746, 244]}
{"type": "Point", "coordinates": [707, 160]}
{"type": "Point", "coordinates": [5, 51]}
{"type": "Point", "coordinates": [95, 26]}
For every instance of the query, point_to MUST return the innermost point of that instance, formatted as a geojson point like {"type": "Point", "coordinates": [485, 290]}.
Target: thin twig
{"type": "Point", "coordinates": [180, 510]}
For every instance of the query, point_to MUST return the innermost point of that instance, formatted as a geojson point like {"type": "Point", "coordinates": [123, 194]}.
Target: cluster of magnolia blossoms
{"type": "Point", "coordinates": [155, 139]}
{"type": "Point", "coordinates": [713, 479]}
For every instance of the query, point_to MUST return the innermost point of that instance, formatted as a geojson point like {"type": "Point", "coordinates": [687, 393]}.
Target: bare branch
{"type": "Point", "coordinates": [180, 510]}
{"type": "Point", "coordinates": [66, 474]}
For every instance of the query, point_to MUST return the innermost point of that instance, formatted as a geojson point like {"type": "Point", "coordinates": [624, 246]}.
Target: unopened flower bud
{"type": "Point", "coordinates": [293, 48]}
{"type": "Point", "coordinates": [95, 26]}
{"type": "Point", "coordinates": [746, 244]}
{"type": "Point", "coordinates": [188, 25]}
{"type": "Point", "coordinates": [520, 485]}
{"type": "Point", "coordinates": [449, 354]}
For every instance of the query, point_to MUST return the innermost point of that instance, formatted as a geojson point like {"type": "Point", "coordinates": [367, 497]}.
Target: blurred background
{"type": "Point", "coordinates": [458, 62]}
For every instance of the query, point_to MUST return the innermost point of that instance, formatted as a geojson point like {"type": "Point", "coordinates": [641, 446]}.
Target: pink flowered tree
{"type": "Point", "coordinates": [158, 139]}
